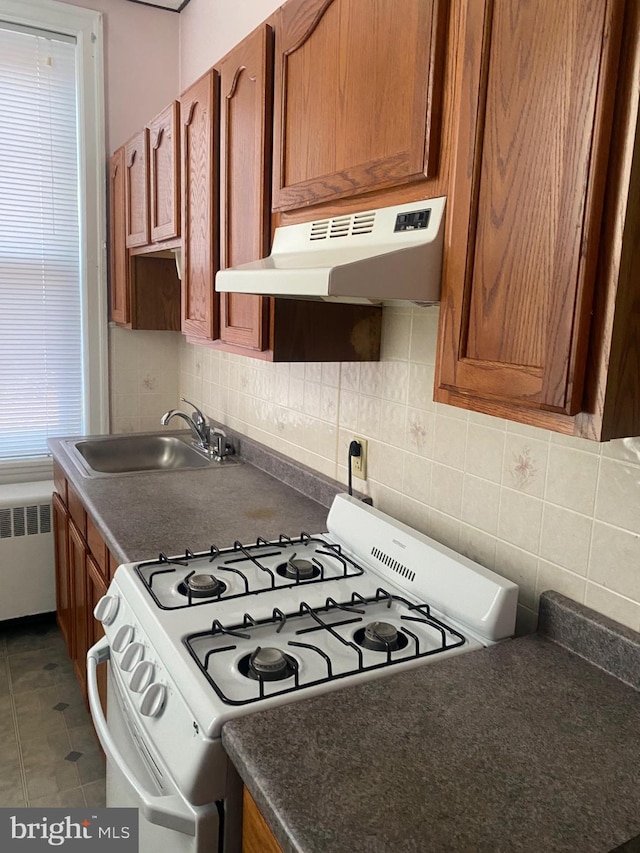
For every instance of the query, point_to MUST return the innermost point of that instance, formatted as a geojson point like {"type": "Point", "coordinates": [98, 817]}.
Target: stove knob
{"type": "Point", "coordinates": [142, 676]}
{"type": "Point", "coordinates": [153, 700]}
{"type": "Point", "coordinates": [106, 609]}
{"type": "Point", "coordinates": [122, 638]}
{"type": "Point", "coordinates": [132, 656]}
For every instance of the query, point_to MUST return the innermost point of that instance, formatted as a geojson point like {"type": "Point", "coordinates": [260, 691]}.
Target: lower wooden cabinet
{"type": "Point", "coordinates": [78, 552]}
{"type": "Point", "coordinates": [256, 835]}
{"type": "Point", "coordinates": [84, 567]}
{"type": "Point", "coordinates": [96, 587]}
{"type": "Point", "coordinates": [63, 584]}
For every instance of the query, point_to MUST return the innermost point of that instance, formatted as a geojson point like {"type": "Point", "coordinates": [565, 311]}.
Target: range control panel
{"type": "Point", "coordinates": [412, 221]}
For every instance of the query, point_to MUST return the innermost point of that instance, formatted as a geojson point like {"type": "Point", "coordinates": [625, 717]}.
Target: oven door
{"type": "Point", "coordinates": [167, 821]}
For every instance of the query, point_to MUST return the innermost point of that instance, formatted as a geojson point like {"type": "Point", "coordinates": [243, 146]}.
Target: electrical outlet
{"type": "Point", "coordinates": [359, 463]}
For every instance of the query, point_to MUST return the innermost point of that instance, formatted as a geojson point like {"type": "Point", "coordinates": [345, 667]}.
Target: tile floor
{"type": "Point", "coordinates": [49, 755]}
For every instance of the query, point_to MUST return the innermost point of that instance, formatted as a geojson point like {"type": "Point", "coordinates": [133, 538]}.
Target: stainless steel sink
{"type": "Point", "coordinates": [128, 454]}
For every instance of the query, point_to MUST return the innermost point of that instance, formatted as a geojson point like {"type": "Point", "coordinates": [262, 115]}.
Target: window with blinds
{"type": "Point", "coordinates": [41, 337]}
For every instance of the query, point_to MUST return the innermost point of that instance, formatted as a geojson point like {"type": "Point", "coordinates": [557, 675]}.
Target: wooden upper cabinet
{"type": "Point", "coordinates": [246, 114]}
{"type": "Point", "coordinates": [164, 172]}
{"type": "Point", "coordinates": [358, 90]}
{"type": "Point", "coordinates": [199, 135]}
{"type": "Point", "coordinates": [536, 95]}
{"type": "Point", "coordinates": [137, 190]}
{"type": "Point", "coordinates": [118, 267]}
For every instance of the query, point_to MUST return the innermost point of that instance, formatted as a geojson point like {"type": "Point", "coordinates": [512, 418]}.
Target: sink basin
{"type": "Point", "coordinates": [127, 454]}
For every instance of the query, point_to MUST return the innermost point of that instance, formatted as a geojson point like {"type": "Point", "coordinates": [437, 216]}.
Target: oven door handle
{"type": "Point", "coordinates": [169, 811]}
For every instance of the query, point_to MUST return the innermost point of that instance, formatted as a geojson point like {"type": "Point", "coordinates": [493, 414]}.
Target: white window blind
{"type": "Point", "coordinates": [41, 346]}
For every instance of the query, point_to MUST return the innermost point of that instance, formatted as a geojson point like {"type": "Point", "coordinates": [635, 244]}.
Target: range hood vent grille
{"type": "Point", "coordinates": [343, 226]}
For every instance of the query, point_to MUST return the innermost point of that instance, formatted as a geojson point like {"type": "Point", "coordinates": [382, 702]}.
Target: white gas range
{"type": "Point", "coordinates": [195, 640]}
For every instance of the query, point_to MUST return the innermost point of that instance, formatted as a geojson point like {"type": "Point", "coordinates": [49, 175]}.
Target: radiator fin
{"type": "Point", "coordinates": [25, 520]}
{"type": "Point", "coordinates": [18, 521]}
{"type": "Point", "coordinates": [32, 520]}
{"type": "Point", "coordinates": [45, 518]}
{"type": "Point", "coordinates": [5, 523]}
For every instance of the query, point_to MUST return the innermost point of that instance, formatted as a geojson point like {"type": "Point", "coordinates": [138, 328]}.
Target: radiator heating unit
{"type": "Point", "coordinates": [27, 569]}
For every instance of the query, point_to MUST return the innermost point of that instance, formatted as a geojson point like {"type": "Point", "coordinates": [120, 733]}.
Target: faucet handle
{"type": "Point", "coordinates": [198, 417]}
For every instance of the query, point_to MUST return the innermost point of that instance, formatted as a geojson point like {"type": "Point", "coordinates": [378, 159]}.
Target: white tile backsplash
{"type": "Point", "coordinates": [543, 509]}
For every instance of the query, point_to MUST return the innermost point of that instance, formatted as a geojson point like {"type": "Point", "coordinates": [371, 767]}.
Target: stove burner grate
{"type": "Point", "coordinates": [296, 569]}
{"type": "Point", "coordinates": [354, 612]}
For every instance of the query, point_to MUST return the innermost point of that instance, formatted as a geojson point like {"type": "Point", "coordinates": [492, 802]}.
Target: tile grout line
{"type": "Point", "coordinates": [14, 713]}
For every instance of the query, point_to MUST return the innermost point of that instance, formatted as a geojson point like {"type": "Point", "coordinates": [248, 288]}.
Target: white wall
{"type": "Point", "coordinates": [141, 49]}
{"type": "Point", "coordinates": [210, 28]}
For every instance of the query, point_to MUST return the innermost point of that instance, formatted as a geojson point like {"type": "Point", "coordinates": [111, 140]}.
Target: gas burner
{"type": "Point", "coordinates": [202, 585]}
{"type": "Point", "coordinates": [297, 568]}
{"type": "Point", "coordinates": [380, 637]}
{"type": "Point", "coordinates": [267, 664]}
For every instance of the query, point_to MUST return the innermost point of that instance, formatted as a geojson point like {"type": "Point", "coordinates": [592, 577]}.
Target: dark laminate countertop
{"type": "Point", "coordinates": [525, 746]}
{"type": "Point", "coordinates": [141, 514]}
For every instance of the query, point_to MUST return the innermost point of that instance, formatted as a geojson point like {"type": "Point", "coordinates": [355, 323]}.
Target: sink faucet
{"type": "Point", "coordinates": [210, 439]}
{"type": "Point", "coordinates": [197, 423]}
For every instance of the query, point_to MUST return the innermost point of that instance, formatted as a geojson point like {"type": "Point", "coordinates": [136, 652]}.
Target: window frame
{"type": "Point", "coordinates": [85, 25]}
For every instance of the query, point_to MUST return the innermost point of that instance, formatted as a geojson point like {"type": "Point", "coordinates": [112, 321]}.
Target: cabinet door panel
{"type": "Point", "coordinates": [164, 163]}
{"type": "Point", "coordinates": [77, 574]}
{"type": "Point", "coordinates": [96, 588]}
{"type": "Point", "coordinates": [199, 132]}
{"type": "Point", "coordinates": [246, 79]}
{"type": "Point", "coordinates": [118, 272]}
{"type": "Point", "coordinates": [63, 584]}
{"type": "Point", "coordinates": [357, 92]}
{"type": "Point", "coordinates": [137, 190]}
{"type": "Point", "coordinates": [526, 209]}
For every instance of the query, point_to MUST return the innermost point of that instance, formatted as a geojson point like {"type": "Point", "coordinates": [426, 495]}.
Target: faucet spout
{"type": "Point", "coordinates": [200, 432]}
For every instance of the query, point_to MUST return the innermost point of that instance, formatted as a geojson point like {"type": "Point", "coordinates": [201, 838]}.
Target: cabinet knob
{"type": "Point", "coordinates": [132, 656]}
{"type": "Point", "coordinates": [106, 609]}
{"type": "Point", "coordinates": [122, 638]}
{"type": "Point", "coordinates": [142, 676]}
{"type": "Point", "coordinates": [153, 700]}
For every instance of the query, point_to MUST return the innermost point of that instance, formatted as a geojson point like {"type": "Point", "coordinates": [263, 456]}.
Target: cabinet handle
{"type": "Point", "coordinates": [158, 139]}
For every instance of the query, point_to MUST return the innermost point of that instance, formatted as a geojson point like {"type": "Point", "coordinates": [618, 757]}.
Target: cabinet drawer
{"type": "Point", "coordinates": [98, 548]}
{"type": "Point", "coordinates": [59, 481]}
{"type": "Point", "coordinates": [77, 510]}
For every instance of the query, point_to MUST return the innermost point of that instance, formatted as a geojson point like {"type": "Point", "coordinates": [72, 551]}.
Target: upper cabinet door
{"type": "Point", "coordinates": [246, 84]}
{"type": "Point", "coordinates": [199, 136]}
{"type": "Point", "coordinates": [357, 96]}
{"type": "Point", "coordinates": [536, 99]}
{"type": "Point", "coordinates": [164, 161]}
{"type": "Point", "coordinates": [137, 189]}
{"type": "Point", "coordinates": [118, 266]}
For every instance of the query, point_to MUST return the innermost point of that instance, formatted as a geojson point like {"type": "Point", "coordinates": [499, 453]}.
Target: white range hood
{"type": "Point", "coordinates": [384, 255]}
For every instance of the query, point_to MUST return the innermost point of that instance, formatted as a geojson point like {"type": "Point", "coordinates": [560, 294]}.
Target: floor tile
{"type": "Point", "coordinates": [91, 765]}
{"type": "Point", "coordinates": [31, 636]}
{"type": "Point", "coordinates": [43, 721]}
{"type": "Point", "coordinates": [11, 784]}
{"type": "Point", "coordinates": [73, 798]}
{"type": "Point", "coordinates": [35, 712]}
{"type": "Point", "coordinates": [38, 668]}
{"type": "Point", "coordinates": [8, 733]}
{"type": "Point", "coordinates": [4, 677]}
{"type": "Point", "coordinates": [95, 793]}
